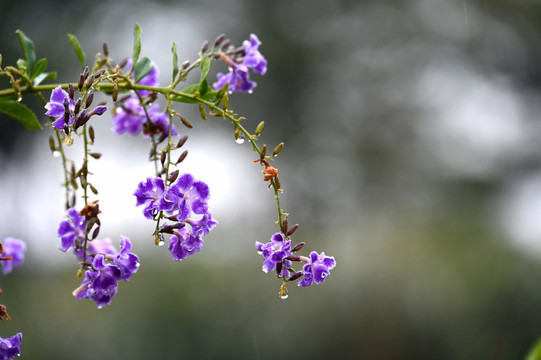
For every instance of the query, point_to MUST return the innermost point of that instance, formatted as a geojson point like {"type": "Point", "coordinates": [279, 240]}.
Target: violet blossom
{"type": "Point", "coordinates": [57, 106]}
{"type": "Point", "coordinates": [10, 347]}
{"type": "Point", "coordinates": [15, 249]}
{"type": "Point", "coordinates": [71, 230]}
{"type": "Point", "coordinates": [317, 269]}
{"type": "Point", "coordinates": [274, 252]}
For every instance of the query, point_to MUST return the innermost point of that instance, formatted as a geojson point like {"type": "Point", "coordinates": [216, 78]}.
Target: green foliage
{"type": "Point", "coordinates": [142, 68]}
{"type": "Point", "coordinates": [175, 61]}
{"type": "Point", "coordinates": [137, 32]}
{"type": "Point", "coordinates": [535, 352]}
{"type": "Point", "coordinates": [28, 50]}
{"type": "Point", "coordinates": [78, 50]}
{"type": "Point", "coordinates": [21, 113]}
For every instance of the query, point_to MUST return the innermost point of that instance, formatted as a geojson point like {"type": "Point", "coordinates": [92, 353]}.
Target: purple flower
{"type": "Point", "coordinates": [56, 107]}
{"type": "Point", "coordinates": [96, 246]}
{"type": "Point", "coordinates": [108, 268]}
{"type": "Point", "coordinates": [253, 57]}
{"type": "Point", "coordinates": [71, 230]}
{"type": "Point", "coordinates": [151, 194]}
{"type": "Point", "coordinates": [184, 243]}
{"type": "Point", "coordinates": [317, 269]}
{"type": "Point", "coordinates": [274, 252]}
{"type": "Point", "coordinates": [15, 249]}
{"type": "Point", "coordinates": [188, 195]}
{"type": "Point", "coordinates": [10, 347]}
{"type": "Point", "coordinates": [126, 262]}
{"type": "Point", "coordinates": [128, 118]}
{"type": "Point", "coordinates": [100, 284]}
{"type": "Point", "coordinates": [203, 225]}
{"type": "Point", "coordinates": [131, 118]}
{"type": "Point", "coordinates": [238, 76]}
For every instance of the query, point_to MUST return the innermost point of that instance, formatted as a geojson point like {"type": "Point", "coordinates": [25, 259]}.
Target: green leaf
{"type": "Point", "coordinates": [142, 68]}
{"type": "Point", "coordinates": [21, 113]}
{"type": "Point", "coordinates": [78, 50]}
{"type": "Point", "coordinates": [535, 352]}
{"type": "Point", "coordinates": [205, 68]}
{"type": "Point", "coordinates": [44, 76]}
{"type": "Point", "coordinates": [28, 50]}
{"type": "Point", "coordinates": [175, 60]}
{"type": "Point", "coordinates": [40, 67]}
{"type": "Point", "coordinates": [137, 32]}
{"type": "Point", "coordinates": [209, 94]}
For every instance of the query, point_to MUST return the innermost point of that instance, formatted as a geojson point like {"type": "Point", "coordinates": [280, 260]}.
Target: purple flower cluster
{"type": "Point", "coordinates": [106, 265]}
{"type": "Point", "coordinates": [62, 107]}
{"type": "Point", "coordinates": [278, 255]}
{"type": "Point", "coordinates": [10, 347]}
{"type": "Point", "coordinates": [238, 75]}
{"type": "Point", "coordinates": [185, 202]}
{"type": "Point", "coordinates": [108, 268]}
{"type": "Point", "coordinates": [14, 249]}
{"type": "Point", "coordinates": [130, 116]}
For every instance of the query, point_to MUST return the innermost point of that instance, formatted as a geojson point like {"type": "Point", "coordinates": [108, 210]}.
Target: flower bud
{"type": "Point", "coordinates": [182, 157]}
{"type": "Point", "coordinates": [91, 133]}
{"type": "Point", "coordinates": [292, 230]}
{"type": "Point", "coordinates": [284, 226]}
{"type": "Point", "coordinates": [277, 149]}
{"type": "Point", "coordinates": [71, 91]}
{"type": "Point", "coordinates": [185, 122]}
{"type": "Point", "coordinates": [185, 64]}
{"type": "Point", "coordinates": [204, 46]}
{"type": "Point", "coordinates": [225, 43]}
{"type": "Point", "coordinates": [81, 82]}
{"type": "Point", "coordinates": [263, 152]}
{"type": "Point", "coordinates": [182, 141]}
{"type": "Point", "coordinates": [173, 176]}
{"type": "Point", "coordinates": [105, 49]}
{"type": "Point", "coordinates": [298, 246]}
{"type": "Point", "coordinates": [259, 128]}
{"type": "Point", "coordinates": [279, 268]}
{"type": "Point", "coordinates": [295, 276]}
{"type": "Point", "coordinates": [202, 112]}
{"type": "Point", "coordinates": [89, 100]}
{"type": "Point", "coordinates": [163, 157]}
{"type": "Point", "coordinates": [219, 40]}
{"type": "Point", "coordinates": [52, 146]}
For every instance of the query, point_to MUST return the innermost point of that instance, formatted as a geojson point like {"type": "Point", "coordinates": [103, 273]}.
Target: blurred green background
{"type": "Point", "coordinates": [413, 156]}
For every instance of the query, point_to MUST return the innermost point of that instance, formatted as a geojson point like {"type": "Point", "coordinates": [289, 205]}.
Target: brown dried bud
{"type": "Point", "coordinates": [81, 82]}
{"type": "Point", "coordinates": [219, 40]}
{"type": "Point", "coordinates": [4, 313]}
{"type": "Point", "coordinates": [226, 43]}
{"type": "Point", "coordinates": [204, 46]}
{"type": "Point", "coordinates": [185, 64]}
{"type": "Point", "coordinates": [185, 122]}
{"type": "Point", "coordinates": [71, 91]}
{"type": "Point", "coordinates": [86, 72]}
{"type": "Point", "coordinates": [292, 230]}
{"type": "Point", "coordinates": [295, 276]}
{"type": "Point", "coordinates": [182, 157]}
{"type": "Point", "coordinates": [298, 246]}
{"type": "Point", "coordinates": [77, 106]}
{"type": "Point", "coordinates": [182, 141]}
{"type": "Point", "coordinates": [95, 155]}
{"type": "Point", "coordinates": [105, 49]}
{"type": "Point", "coordinates": [283, 226]}
{"type": "Point", "coordinates": [91, 133]}
{"type": "Point", "coordinates": [269, 172]}
{"type": "Point", "coordinates": [263, 152]}
{"type": "Point", "coordinates": [115, 91]}
{"type": "Point", "coordinates": [95, 233]}
{"type": "Point", "coordinates": [89, 100]}
{"type": "Point", "coordinates": [90, 81]}
{"type": "Point", "coordinates": [173, 176]}
{"type": "Point", "coordinates": [279, 267]}
{"type": "Point", "coordinates": [294, 258]}
{"type": "Point", "coordinates": [163, 157]}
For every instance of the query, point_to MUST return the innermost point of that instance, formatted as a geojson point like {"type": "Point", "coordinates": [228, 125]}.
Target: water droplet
{"type": "Point", "coordinates": [158, 240]}
{"type": "Point", "coordinates": [250, 91]}
{"type": "Point", "coordinates": [240, 139]}
{"type": "Point", "coordinates": [283, 297]}
{"type": "Point", "coordinates": [56, 153]}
